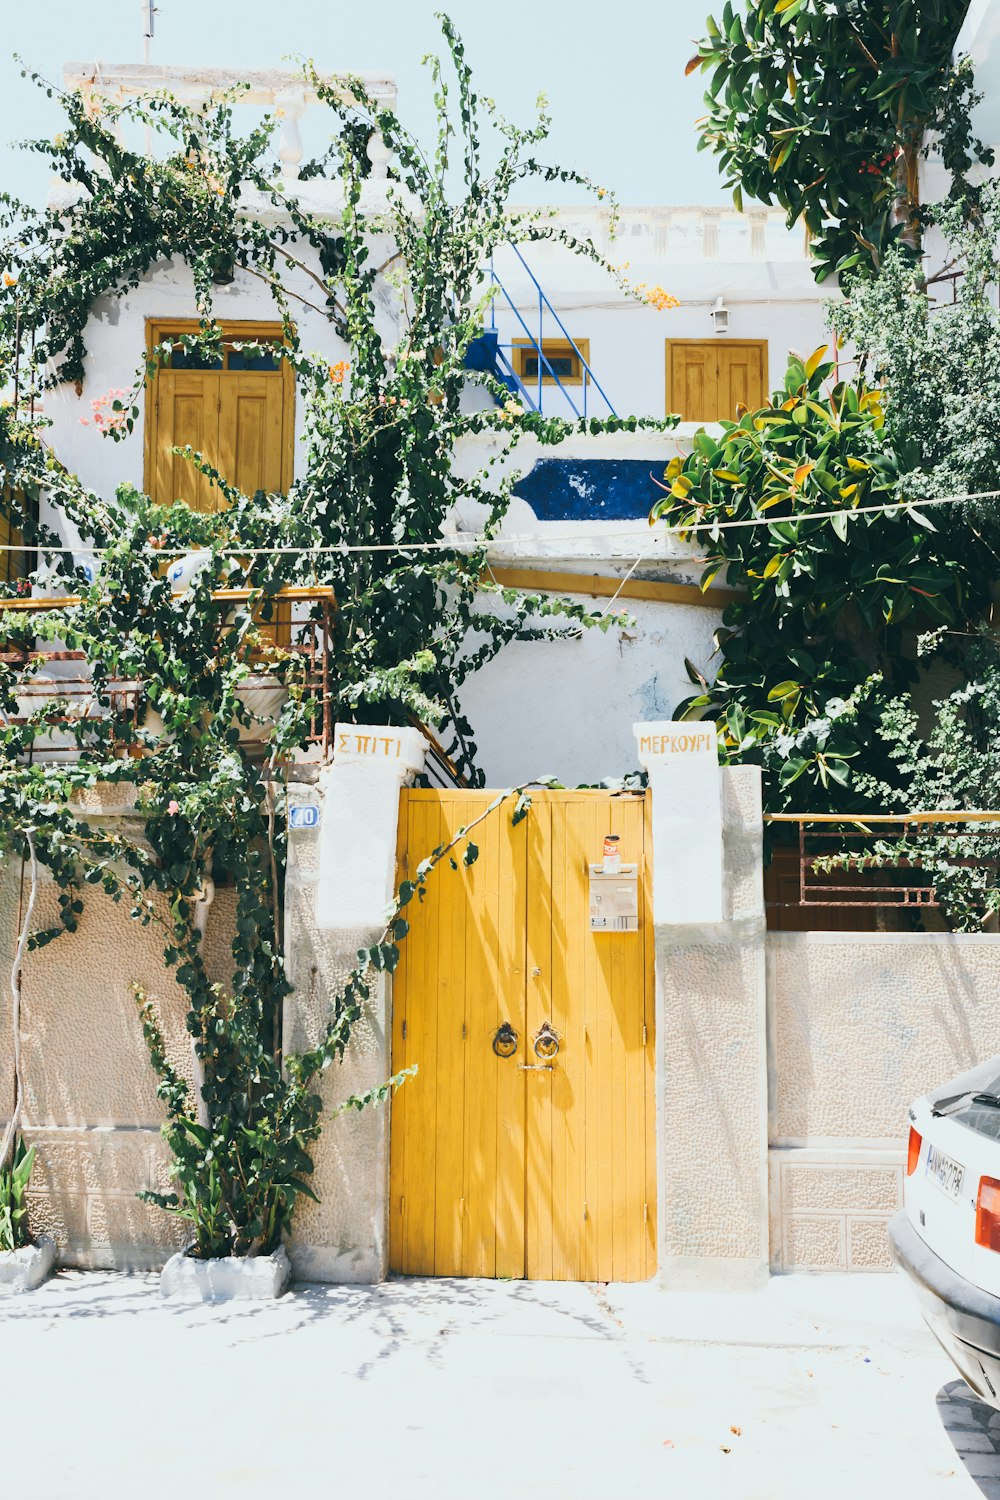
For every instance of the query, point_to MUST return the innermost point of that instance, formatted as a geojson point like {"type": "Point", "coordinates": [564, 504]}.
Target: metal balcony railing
{"type": "Point", "coordinates": [499, 354]}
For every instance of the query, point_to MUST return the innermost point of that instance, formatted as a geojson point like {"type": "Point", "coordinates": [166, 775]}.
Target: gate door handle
{"type": "Point", "coordinates": [505, 1040]}
{"type": "Point", "coordinates": [546, 1040]}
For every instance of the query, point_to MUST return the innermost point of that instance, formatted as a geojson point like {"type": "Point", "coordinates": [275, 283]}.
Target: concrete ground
{"type": "Point", "coordinates": [464, 1390]}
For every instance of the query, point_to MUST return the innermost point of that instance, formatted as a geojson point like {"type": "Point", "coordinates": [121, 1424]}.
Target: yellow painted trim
{"type": "Point", "coordinates": [550, 347]}
{"type": "Point", "coordinates": [248, 330]}
{"type": "Point", "coordinates": [603, 586]}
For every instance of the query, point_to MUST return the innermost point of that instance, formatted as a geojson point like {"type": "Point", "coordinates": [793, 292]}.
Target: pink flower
{"type": "Point", "coordinates": [173, 808]}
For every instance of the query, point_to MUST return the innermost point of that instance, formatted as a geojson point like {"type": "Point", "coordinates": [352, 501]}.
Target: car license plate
{"type": "Point", "coordinates": [943, 1172]}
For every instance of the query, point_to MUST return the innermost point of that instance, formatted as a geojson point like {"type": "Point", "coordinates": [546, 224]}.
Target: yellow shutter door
{"type": "Point", "coordinates": [187, 414]}
{"type": "Point", "coordinates": [708, 378]}
{"type": "Point", "coordinates": [742, 379]}
{"type": "Point", "coordinates": [241, 421]}
{"type": "Point", "coordinates": [692, 380]}
{"type": "Point", "coordinates": [251, 437]}
{"type": "Point", "coordinates": [12, 564]}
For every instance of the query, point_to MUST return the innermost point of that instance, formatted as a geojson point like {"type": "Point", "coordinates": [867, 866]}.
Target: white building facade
{"type": "Point", "coordinates": [746, 298]}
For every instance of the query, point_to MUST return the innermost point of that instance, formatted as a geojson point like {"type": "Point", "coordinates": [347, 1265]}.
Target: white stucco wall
{"type": "Point", "coordinates": [116, 346]}
{"type": "Point", "coordinates": [572, 701]}
{"type": "Point", "coordinates": [628, 345]}
{"type": "Point", "coordinates": [758, 267]}
{"type": "Point", "coordinates": [566, 708]}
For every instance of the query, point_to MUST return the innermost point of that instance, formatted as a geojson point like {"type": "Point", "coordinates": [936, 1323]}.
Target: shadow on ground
{"type": "Point", "coordinates": [397, 1311]}
{"type": "Point", "coordinates": [974, 1429]}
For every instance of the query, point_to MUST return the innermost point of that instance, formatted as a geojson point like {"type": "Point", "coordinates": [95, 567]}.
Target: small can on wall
{"type": "Point", "coordinates": [612, 854]}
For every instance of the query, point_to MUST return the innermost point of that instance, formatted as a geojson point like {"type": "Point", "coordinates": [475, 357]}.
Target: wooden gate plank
{"type": "Point", "coordinates": [649, 1018]}
{"type": "Point", "coordinates": [538, 1086]}
{"type": "Point", "coordinates": [481, 958]}
{"type": "Point", "coordinates": [511, 925]}
{"type": "Point", "coordinates": [451, 895]}
{"type": "Point", "coordinates": [422, 1034]}
{"type": "Point", "coordinates": [399, 1129]}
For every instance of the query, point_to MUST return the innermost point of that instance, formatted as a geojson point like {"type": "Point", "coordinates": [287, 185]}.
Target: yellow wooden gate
{"type": "Point", "coordinates": [523, 1165]}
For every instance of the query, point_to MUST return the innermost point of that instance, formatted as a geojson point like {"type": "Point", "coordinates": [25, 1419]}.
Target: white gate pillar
{"type": "Point", "coordinates": [708, 912]}
{"type": "Point", "coordinates": [339, 880]}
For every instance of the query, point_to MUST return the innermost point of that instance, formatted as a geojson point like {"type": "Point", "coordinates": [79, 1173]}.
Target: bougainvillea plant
{"type": "Point", "coordinates": [398, 278]}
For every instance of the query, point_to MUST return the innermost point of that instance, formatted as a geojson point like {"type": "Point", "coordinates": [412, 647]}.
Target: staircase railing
{"type": "Point", "coordinates": [505, 363]}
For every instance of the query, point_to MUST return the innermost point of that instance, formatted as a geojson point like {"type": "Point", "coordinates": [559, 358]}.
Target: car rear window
{"type": "Point", "coordinates": [983, 1079]}
{"type": "Point", "coordinates": [984, 1119]}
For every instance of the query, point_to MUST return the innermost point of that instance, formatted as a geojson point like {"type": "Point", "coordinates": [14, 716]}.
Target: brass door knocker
{"type": "Point", "coordinates": [546, 1040]}
{"type": "Point", "coordinates": [505, 1040]}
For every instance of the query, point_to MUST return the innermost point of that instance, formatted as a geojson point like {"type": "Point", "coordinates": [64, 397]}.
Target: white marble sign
{"type": "Point", "coordinates": [682, 760]}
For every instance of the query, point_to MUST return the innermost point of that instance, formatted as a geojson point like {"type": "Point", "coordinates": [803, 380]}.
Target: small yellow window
{"type": "Point", "coordinates": [560, 358]}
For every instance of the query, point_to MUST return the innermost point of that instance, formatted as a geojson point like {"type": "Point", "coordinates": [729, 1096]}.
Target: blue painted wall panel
{"type": "Point", "coordinates": [591, 489]}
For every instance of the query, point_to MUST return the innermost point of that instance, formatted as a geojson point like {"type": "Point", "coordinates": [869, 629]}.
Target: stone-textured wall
{"type": "Point", "coordinates": [860, 1024]}
{"type": "Point", "coordinates": [711, 1076]}
{"type": "Point", "coordinates": [90, 1103]}
{"type": "Point", "coordinates": [341, 1238]}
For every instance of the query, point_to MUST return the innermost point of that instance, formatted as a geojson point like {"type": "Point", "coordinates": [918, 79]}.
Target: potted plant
{"type": "Point", "coordinates": [25, 1262]}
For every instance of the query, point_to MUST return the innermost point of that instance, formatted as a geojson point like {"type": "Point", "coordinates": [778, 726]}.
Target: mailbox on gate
{"type": "Point", "coordinates": [614, 899]}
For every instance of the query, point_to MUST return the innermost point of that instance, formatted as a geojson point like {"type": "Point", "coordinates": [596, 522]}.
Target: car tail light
{"type": "Point", "coordinates": [913, 1152]}
{"type": "Point", "coordinates": [988, 1213]}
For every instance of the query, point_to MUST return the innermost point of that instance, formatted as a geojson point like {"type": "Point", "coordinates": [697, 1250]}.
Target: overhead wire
{"type": "Point", "coordinates": [450, 543]}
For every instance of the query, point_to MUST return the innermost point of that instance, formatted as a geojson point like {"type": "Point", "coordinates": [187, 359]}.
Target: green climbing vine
{"type": "Point", "coordinates": [391, 283]}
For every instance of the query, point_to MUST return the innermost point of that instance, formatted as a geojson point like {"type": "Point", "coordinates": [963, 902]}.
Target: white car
{"type": "Point", "coordinates": [947, 1236]}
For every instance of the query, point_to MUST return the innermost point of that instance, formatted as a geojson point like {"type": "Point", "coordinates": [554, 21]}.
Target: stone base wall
{"type": "Point", "coordinates": [829, 1208]}
{"type": "Point", "coordinates": [90, 1105]}
{"type": "Point", "coordinates": [859, 1025]}
{"type": "Point", "coordinates": [83, 1194]}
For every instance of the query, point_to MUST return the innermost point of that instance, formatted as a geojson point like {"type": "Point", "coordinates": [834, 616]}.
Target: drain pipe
{"type": "Point", "coordinates": [200, 919]}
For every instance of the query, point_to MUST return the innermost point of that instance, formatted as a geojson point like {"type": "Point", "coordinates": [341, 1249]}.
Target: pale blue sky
{"type": "Point", "coordinates": [621, 107]}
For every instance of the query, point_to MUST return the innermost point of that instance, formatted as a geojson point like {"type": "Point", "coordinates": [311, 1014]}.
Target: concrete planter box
{"type": "Point", "coordinates": [250, 1278]}
{"type": "Point", "coordinates": [25, 1269]}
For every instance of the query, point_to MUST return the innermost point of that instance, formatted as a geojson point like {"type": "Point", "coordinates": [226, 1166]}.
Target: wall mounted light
{"type": "Point", "coordinates": [720, 316]}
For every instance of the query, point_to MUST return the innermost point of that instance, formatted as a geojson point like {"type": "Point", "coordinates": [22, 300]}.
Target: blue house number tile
{"type": "Point", "coordinates": [306, 816]}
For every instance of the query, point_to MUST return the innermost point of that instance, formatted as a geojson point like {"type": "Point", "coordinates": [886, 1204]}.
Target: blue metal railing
{"type": "Point", "coordinates": [504, 364]}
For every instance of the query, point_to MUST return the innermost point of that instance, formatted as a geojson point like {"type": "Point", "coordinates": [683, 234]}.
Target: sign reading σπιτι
{"type": "Point", "coordinates": [400, 750]}
{"type": "Point", "coordinates": [385, 746]}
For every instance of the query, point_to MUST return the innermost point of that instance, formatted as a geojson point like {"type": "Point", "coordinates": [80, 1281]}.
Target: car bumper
{"type": "Point", "coordinates": [964, 1320]}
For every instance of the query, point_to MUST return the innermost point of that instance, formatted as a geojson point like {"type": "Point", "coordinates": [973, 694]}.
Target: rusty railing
{"type": "Point", "coordinates": [831, 878]}
{"type": "Point", "coordinates": [309, 638]}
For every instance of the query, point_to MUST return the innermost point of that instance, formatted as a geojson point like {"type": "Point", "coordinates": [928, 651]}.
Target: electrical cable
{"type": "Point", "coordinates": [450, 544]}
